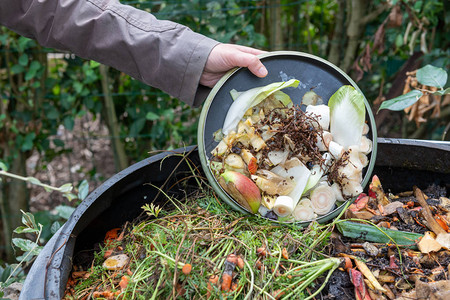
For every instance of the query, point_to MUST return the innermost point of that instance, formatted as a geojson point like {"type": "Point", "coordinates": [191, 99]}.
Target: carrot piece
{"type": "Point", "coordinates": [123, 282]}
{"type": "Point", "coordinates": [111, 234]}
{"type": "Point", "coordinates": [213, 280]}
{"type": "Point", "coordinates": [226, 282]}
{"type": "Point", "coordinates": [232, 258]}
{"type": "Point", "coordinates": [285, 253]}
{"type": "Point", "coordinates": [240, 262]}
{"type": "Point", "coordinates": [187, 268]}
{"type": "Point", "coordinates": [277, 294]}
{"type": "Point", "coordinates": [261, 251]}
{"type": "Point", "coordinates": [348, 263]}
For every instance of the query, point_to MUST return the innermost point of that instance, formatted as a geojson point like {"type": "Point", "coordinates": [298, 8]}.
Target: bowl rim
{"type": "Point", "coordinates": [201, 132]}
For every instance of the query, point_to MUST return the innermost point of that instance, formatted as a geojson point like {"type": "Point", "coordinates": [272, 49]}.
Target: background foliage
{"type": "Point", "coordinates": [44, 91]}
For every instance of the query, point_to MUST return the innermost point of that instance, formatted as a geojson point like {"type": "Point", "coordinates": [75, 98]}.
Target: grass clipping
{"type": "Point", "coordinates": [201, 249]}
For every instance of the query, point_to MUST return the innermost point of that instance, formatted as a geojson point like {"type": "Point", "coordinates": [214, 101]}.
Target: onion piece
{"type": "Point", "coordinates": [365, 129]}
{"type": "Point", "coordinates": [351, 188]}
{"type": "Point", "coordinates": [249, 99]}
{"type": "Point", "coordinates": [305, 201]}
{"type": "Point", "coordinates": [272, 183]}
{"type": "Point", "coordinates": [294, 169]}
{"type": "Point", "coordinates": [310, 98]}
{"type": "Point", "coordinates": [321, 113]}
{"type": "Point", "coordinates": [277, 157]}
{"type": "Point", "coordinates": [322, 199]}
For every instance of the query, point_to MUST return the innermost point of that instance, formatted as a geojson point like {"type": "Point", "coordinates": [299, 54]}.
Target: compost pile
{"type": "Point", "coordinates": [384, 247]}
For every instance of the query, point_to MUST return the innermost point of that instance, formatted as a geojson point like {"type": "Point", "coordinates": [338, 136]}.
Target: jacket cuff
{"type": "Point", "coordinates": [191, 92]}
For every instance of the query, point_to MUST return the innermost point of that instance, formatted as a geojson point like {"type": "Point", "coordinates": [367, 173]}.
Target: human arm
{"type": "Point", "coordinates": [162, 54]}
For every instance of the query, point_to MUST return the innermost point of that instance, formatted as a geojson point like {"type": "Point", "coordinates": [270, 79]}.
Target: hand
{"type": "Point", "coordinates": [224, 57]}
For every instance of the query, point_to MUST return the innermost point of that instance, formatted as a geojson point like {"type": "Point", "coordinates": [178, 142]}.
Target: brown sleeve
{"type": "Point", "coordinates": [163, 54]}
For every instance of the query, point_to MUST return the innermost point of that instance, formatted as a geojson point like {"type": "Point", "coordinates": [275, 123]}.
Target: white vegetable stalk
{"type": "Point", "coordinates": [335, 149]}
{"type": "Point", "coordinates": [322, 199]}
{"type": "Point", "coordinates": [249, 99]}
{"type": "Point", "coordinates": [321, 113]}
{"type": "Point", "coordinates": [284, 206]}
{"type": "Point", "coordinates": [324, 140]}
{"type": "Point", "coordinates": [347, 115]}
{"type": "Point", "coordinates": [317, 171]}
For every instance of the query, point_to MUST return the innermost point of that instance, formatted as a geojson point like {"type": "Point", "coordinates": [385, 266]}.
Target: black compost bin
{"type": "Point", "coordinates": [400, 164]}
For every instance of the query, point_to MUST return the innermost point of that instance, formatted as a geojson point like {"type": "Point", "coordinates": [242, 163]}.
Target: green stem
{"type": "Point", "coordinates": [155, 293]}
{"type": "Point", "coordinates": [180, 264]}
{"type": "Point", "coordinates": [252, 280]}
{"type": "Point", "coordinates": [28, 179]}
{"type": "Point", "coordinates": [275, 270]}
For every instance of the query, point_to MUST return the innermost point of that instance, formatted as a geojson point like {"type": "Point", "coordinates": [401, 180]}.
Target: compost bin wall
{"type": "Point", "coordinates": [400, 165]}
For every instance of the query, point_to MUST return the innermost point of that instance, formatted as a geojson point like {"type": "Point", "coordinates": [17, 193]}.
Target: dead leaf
{"type": "Point", "coordinates": [395, 17]}
{"type": "Point", "coordinates": [438, 290]}
{"type": "Point", "coordinates": [428, 243]}
{"type": "Point", "coordinates": [391, 208]}
{"type": "Point", "coordinates": [378, 44]}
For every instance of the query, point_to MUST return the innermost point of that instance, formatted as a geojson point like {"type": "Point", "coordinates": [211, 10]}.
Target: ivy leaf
{"type": "Point", "coordinates": [24, 244]}
{"type": "Point", "coordinates": [28, 141]}
{"type": "Point", "coordinates": [401, 102]}
{"type": "Point", "coordinates": [3, 166]}
{"type": "Point", "coordinates": [32, 71]}
{"type": "Point", "coordinates": [83, 189]}
{"type": "Point", "coordinates": [23, 229]}
{"type": "Point", "coordinates": [23, 60]}
{"type": "Point", "coordinates": [65, 188]}
{"type": "Point", "coordinates": [55, 227]}
{"type": "Point", "coordinates": [64, 211]}
{"type": "Point", "coordinates": [432, 76]}
{"type": "Point", "coordinates": [16, 69]}
{"type": "Point", "coordinates": [152, 116]}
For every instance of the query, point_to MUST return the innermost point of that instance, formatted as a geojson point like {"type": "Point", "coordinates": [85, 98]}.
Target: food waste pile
{"type": "Point", "coordinates": [383, 246]}
{"type": "Point", "coordinates": [292, 162]}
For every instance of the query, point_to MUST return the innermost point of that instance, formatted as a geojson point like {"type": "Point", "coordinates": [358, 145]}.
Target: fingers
{"type": "Point", "coordinates": [246, 57]}
{"type": "Point", "coordinates": [225, 57]}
